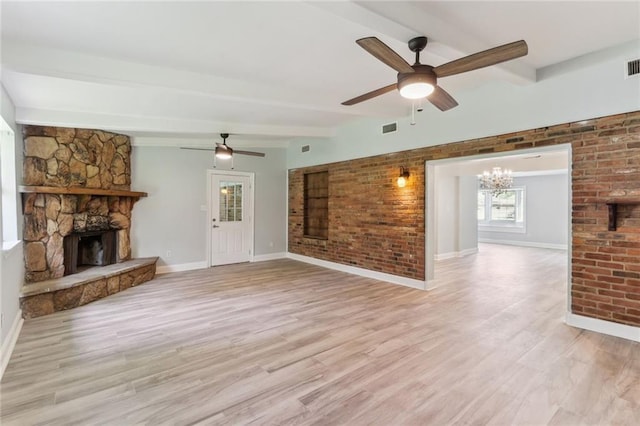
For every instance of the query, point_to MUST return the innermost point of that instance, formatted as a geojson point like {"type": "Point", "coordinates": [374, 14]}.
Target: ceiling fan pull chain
{"type": "Point", "coordinates": [413, 112]}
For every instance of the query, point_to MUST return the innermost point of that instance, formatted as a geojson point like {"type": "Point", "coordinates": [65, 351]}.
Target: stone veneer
{"type": "Point", "coordinates": [66, 157]}
{"type": "Point", "coordinates": [47, 297]}
{"type": "Point", "coordinates": [72, 158]}
{"type": "Point", "coordinates": [373, 224]}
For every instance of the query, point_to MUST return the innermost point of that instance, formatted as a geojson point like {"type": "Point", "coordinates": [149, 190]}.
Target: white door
{"type": "Point", "coordinates": [231, 227]}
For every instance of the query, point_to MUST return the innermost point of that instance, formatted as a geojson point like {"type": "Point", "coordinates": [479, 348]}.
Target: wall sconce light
{"type": "Point", "coordinates": [402, 179]}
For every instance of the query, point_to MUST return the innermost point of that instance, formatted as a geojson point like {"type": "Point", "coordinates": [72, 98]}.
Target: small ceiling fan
{"type": "Point", "coordinates": [224, 151]}
{"type": "Point", "coordinates": [419, 81]}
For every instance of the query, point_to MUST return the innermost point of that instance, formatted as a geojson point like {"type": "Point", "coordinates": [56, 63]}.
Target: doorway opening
{"type": "Point", "coordinates": [461, 219]}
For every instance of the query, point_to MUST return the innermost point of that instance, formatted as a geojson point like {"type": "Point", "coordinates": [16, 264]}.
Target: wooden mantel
{"type": "Point", "coordinates": [80, 191]}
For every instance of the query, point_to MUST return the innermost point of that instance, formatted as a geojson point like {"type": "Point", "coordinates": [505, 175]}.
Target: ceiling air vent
{"type": "Point", "coordinates": [633, 68]}
{"type": "Point", "coordinates": [389, 128]}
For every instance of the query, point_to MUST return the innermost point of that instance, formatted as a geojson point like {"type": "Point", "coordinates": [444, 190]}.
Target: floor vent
{"type": "Point", "coordinates": [389, 128]}
{"type": "Point", "coordinates": [633, 68]}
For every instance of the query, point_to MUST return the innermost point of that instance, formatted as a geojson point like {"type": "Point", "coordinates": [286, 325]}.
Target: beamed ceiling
{"type": "Point", "coordinates": [269, 71]}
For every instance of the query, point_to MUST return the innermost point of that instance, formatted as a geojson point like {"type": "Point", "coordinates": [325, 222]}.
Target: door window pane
{"type": "Point", "coordinates": [230, 201]}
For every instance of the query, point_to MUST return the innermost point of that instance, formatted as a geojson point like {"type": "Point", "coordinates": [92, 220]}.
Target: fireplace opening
{"type": "Point", "coordinates": [86, 249]}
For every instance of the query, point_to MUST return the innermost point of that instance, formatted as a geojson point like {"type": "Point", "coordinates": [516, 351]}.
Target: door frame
{"type": "Point", "coordinates": [251, 209]}
{"type": "Point", "coordinates": [430, 222]}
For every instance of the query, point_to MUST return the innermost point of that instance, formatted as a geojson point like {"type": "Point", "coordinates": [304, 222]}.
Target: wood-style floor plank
{"type": "Point", "coordinates": [283, 342]}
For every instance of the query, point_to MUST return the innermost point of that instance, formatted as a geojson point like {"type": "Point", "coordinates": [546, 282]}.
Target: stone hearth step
{"type": "Point", "coordinates": [46, 297]}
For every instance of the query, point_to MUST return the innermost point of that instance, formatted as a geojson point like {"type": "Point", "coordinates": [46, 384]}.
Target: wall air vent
{"type": "Point", "coordinates": [305, 148]}
{"type": "Point", "coordinates": [633, 68]}
{"type": "Point", "coordinates": [389, 128]}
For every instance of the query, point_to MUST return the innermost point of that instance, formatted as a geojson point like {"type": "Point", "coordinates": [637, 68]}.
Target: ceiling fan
{"type": "Point", "coordinates": [224, 151]}
{"type": "Point", "coordinates": [419, 81]}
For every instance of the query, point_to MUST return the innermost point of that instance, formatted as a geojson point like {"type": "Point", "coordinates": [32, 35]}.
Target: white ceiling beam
{"type": "Point", "coordinates": [157, 125]}
{"type": "Point", "coordinates": [56, 63]}
{"type": "Point", "coordinates": [236, 141]}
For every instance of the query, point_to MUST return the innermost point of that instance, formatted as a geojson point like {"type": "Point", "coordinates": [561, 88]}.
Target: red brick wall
{"type": "Point", "coordinates": [373, 224]}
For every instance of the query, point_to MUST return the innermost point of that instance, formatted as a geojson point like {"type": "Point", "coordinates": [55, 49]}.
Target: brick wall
{"type": "Point", "coordinates": [373, 224]}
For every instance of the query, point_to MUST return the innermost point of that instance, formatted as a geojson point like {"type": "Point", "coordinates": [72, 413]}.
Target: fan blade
{"type": "Point", "coordinates": [373, 94]}
{"type": "Point", "coordinates": [483, 59]}
{"type": "Point", "coordinates": [197, 149]}
{"type": "Point", "coordinates": [384, 53]}
{"type": "Point", "coordinates": [255, 154]}
{"type": "Point", "coordinates": [441, 99]}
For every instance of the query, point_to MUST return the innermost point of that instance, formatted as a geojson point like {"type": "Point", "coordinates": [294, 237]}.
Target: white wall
{"type": "Point", "coordinates": [587, 87]}
{"type": "Point", "coordinates": [172, 217]}
{"type": "Point", "coordinates": [446, 203]}
{"type": "Point", "coordinates": [456, 222]}
{"type": "Point", "coordinates": [546, 213]}
{"type": "Point", "coordinates": [467, 215]}
{"type": "Point", "coordinates": [11, 265]}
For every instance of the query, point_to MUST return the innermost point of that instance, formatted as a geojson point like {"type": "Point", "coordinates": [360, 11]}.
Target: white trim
{"type": "Point", "coordinates": [269, 256]}
{"type": "Point", "coordinates": [166, 269]}
{"type": "Point", "coordinates": [534, 173]}
{"type": "Point", "coordinates": [10, 341]}
{"type": "Point", "coordinates": [455, 254]}
{"type": "Point", "coordinates": [507, 229]}
{"type": "Point", "coordinates": [602, 326]}
{"type": "Point", "coordinates": [10, 248]}
{"type": "Point", "coordinates": [393, 279]}
{"type": "Point", "coordinates": [524, 243]}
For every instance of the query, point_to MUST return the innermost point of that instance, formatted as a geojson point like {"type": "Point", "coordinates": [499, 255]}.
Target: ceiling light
{"type": "Point", "coordinates": [417, 85]}
{"type": "Point", "coordinates": [498, 181]}
{"type": "Point", "coordinates": [223, 152]}
{"type": "Point", "coordinates": [416, 90]}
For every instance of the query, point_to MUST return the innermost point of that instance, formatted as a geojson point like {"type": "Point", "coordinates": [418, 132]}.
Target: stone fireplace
{"type": "Point", "coordinates": [77, 205]}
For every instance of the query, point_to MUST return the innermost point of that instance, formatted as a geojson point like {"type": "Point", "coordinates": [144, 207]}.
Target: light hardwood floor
{"type": "Point", "coordinates": [282, 342]}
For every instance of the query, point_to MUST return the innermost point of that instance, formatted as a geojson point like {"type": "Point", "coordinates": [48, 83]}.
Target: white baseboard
{"type": "Point", "coordinates": [10, 341]}
{"type": "Point", "coordinates": [269, 256]}
{"type": "Point", "coordinates": [165, 269]}
{"type": "Point", "coordinates": [524, 244]}
{"type": "Point", "coordinates": [604, 327]}
{"type": "Point", "coordinates": [455, 254]}
{"type": "Point", "coordinates": [393, 279]}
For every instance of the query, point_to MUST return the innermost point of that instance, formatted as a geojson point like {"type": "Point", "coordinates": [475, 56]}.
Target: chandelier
{"type": "Point", "coordinates": [498, 181]}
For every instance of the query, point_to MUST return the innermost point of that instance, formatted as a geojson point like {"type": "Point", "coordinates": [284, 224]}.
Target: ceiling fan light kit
{"type": "Point", "coordinates": [223, 152]}
{"type": "Point", "coordinates": [417, 85]}
{"type": "Point", "coordinates": [419, 81]}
